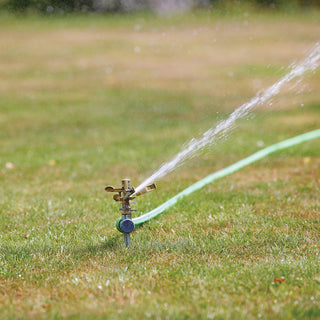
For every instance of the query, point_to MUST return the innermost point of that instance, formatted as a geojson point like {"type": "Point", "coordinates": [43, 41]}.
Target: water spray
{"type": "Point", "coordinates": [127, 193]}
{"type": "Point", "coordinates": [212, 135]}
{"type": "Point", "coordinates": [124, 195]}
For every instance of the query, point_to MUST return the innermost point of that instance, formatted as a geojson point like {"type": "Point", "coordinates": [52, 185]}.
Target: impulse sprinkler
{"type": "Point", "coordinates": [124, 195]}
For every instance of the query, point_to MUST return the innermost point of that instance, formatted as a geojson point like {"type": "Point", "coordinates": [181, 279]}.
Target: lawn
{"type": "Point", "coordinates": [88, 100]}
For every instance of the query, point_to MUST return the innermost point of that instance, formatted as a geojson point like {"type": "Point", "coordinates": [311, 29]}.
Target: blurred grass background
{"type": "Point", "coordinates": [89, 99]}
{"type": "Point", "coordinates": [159, 6]}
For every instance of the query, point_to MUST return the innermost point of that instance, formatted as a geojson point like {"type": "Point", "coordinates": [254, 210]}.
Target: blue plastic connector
{"type": "Point", "coordinates": [126, 226]}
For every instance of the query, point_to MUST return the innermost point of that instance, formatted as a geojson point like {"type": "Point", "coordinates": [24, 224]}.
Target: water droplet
{"type": "Point", "coordinates": [9, 165]}
{"type": "Point", "coordinates": [260, 143]}
{"type": "Point", "coordinates": [109, 70]}
{"type": "Point", "coordinates": [230, 74]}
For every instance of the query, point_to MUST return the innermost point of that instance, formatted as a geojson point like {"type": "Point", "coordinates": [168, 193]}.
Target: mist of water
{"type": "Point", "coordinates": [211, 136]}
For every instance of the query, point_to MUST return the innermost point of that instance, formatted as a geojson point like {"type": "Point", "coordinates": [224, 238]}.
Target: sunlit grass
{"type": "Point", "coordinates": [82, 107]}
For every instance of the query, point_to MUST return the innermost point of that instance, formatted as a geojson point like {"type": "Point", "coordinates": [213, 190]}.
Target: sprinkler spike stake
{"type": "Point", "coordinates": [125, 195]}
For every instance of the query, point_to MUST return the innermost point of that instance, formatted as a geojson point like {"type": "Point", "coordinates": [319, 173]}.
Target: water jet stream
{"type": "Point", "coordinates": [309, 63]}
{"type": "Point", "coordinates": [315, 134]}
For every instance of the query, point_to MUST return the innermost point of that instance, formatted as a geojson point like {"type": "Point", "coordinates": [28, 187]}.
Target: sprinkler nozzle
{"type": "Point", "coordinates": [124, 195]}
{"type": "Point", "coordinates": [146, 189]}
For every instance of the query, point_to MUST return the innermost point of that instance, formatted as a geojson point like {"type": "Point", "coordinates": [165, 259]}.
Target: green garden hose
{"type": "Point", "coordinates": [224, 172]}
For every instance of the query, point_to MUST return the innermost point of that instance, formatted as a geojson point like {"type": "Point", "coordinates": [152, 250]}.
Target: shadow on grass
{"type": "Point", "coordinates": [20, 253]}
{"type": "Point", "coordinates": [112, 244]}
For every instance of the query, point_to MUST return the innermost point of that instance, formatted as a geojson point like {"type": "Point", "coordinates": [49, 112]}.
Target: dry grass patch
{"type": "Point", "coordinates": [173, 58]}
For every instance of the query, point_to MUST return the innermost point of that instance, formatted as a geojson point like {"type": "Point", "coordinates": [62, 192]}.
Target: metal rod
{"type": "Point", "coordinates": [126, 237]}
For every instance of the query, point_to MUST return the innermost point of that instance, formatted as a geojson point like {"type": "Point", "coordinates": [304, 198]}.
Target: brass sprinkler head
{"type": "Point", "coordinates": [124, 195]}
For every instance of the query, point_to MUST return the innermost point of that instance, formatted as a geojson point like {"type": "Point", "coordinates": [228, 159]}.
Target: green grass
{"type": "Point", "coordinates": [70, 127]}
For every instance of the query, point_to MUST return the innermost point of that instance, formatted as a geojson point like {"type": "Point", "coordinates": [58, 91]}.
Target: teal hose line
{"type": "Point", "coordinates": [224, 172]}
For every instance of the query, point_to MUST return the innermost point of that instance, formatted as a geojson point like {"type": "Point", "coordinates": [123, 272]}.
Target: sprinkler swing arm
{"type": "Point", "coordinates": [124, 195]}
